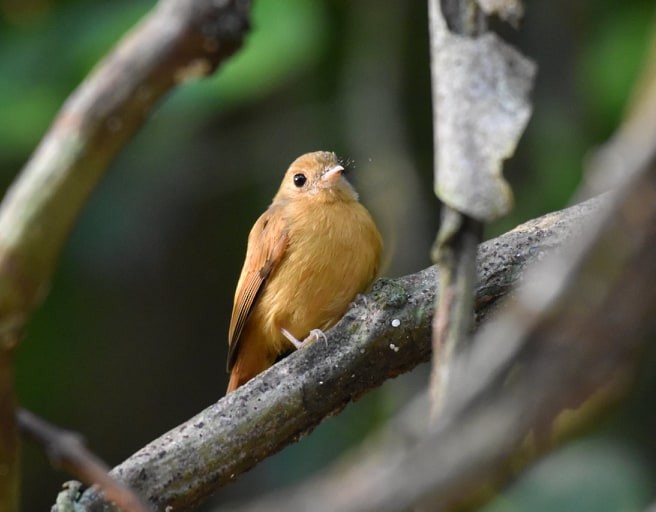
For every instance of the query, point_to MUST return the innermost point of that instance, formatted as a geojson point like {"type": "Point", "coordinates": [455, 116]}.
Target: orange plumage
{"type": "Point", "coordinates": [308, 255]}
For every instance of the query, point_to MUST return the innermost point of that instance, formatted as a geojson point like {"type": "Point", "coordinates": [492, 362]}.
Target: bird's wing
{"type": "Point", "coordinates": [267, 243]}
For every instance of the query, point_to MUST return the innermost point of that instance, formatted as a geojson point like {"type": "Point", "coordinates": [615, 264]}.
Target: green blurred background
{"type": "Point", "coordinates": [131, 339]}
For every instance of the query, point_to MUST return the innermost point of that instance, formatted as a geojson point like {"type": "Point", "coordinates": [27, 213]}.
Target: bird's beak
{"type": "Point", "coordinates": [332, 174]}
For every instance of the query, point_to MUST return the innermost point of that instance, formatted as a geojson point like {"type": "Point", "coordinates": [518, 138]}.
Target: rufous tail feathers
{"type": "Point", "coordinates": [249, 363]}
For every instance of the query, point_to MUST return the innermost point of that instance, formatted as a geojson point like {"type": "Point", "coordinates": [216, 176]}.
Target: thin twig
{"type": "Point", "coordinates": [66, 451]}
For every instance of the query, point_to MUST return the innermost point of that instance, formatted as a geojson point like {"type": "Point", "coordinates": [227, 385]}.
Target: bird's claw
{"type": "Point", "coordinates": [315, 334]}
{"type": "Point", "coordinates": [318, 333]}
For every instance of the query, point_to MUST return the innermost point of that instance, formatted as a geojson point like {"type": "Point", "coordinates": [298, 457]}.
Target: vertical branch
{"type": "Point", "coordinates": [454, 253]}
{"type": "Point", "coordinates": [462, 17]}
{"type": "Point", "coordinates": [9, 445]}
{"type": "Point", "coordinates": [480, 107]}
{"type": "Point", "coordinates": [454, 250]}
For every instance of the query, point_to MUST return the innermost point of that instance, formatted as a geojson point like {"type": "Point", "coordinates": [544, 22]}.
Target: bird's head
{"type": "Point", "coordinates": [317, 176]}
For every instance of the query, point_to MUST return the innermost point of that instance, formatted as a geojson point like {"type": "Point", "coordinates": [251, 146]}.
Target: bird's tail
{"type": "Point", "coordinates": [234, 382]}
{"type": "Point", "coordinates": [248, 364]}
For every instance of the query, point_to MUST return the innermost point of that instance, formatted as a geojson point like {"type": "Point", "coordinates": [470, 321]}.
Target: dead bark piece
{"type": "Point", "coordinates": [481, 86]}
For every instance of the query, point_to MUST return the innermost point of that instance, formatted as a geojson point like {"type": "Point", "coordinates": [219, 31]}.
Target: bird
{"type": "Point", "coordinates": [308, 255]}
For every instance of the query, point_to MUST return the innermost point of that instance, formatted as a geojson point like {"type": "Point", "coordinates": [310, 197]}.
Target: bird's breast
{"type": "Point", "coordinates": [333, 254]}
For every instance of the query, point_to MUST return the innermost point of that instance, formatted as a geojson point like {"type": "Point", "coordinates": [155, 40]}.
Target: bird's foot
{"type": "Point", "coordinates": [314, 335]}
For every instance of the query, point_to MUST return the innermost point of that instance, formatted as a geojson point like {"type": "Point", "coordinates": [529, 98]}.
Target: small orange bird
{"type": "Point", "coordinates": [308, 255]}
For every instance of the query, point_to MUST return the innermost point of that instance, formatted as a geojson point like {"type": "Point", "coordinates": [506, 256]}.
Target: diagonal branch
{"type": "Point", "coordinates": [574, 338]}
{"type": "Point", "coordinates": [571, 338]}
{"type": "Point", "coordinates": [385, 333]}
{"type": "Point", "coordinates": [66, 450]}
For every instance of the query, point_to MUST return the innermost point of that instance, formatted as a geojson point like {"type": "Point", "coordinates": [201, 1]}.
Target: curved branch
{"type": "Point", "coordinates": [178, 40]}
{"type": "Point", "coordinates": [385, 333]}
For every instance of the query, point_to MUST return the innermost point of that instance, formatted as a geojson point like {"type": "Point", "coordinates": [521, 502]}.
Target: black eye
{"type": "Point", "coordinates": [299, 180]}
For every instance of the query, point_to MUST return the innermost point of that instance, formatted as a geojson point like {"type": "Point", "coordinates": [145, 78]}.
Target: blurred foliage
{"type": "Point", "coordinates": [131, 339]}
{"type": "Point", "coordinates": [297, 29]}
{"type": "Point", "coordinates": [599, 474]}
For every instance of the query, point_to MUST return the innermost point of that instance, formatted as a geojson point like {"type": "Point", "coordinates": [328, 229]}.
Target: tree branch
{"type": "Point", "coordinates": [178, 40]}
{"type": "Point", "coordinates": [572, 335]}
{"type": "Point", "coordinates": [9, 446]}
{"type": "Point", "coordinates": [385, 333]}
{"type": "Point", "coordinates": [573, 339]}
{"type": "Point", "coordinates": [66, 451]}
{"type": "Point", "coordinates": [480, 89]}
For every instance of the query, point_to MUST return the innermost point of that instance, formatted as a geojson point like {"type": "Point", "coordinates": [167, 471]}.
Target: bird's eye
{"type": "Point", "coordinates": [299, 180]}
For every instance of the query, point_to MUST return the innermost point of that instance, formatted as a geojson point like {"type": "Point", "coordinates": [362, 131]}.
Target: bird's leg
{"type": "Point", "coordinates": [314, 335]}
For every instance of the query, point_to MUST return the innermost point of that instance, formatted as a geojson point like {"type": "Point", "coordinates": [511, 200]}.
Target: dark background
{"type": "Point", "coordinates": [131, 339]}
